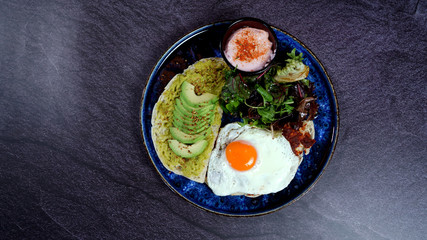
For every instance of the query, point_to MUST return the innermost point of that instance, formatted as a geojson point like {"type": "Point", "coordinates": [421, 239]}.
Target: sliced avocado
{"type": "Point", "coordinates": [183, 107]}
{"type": "Point", "coordinates": [205, 115]}
{"type": "Point", "coordinates": [192, 128]}
{"type": "Point", "coordinates": [188, 95]}
{"type": "Point", "coordinates": [188, 104]}
{"type": "Point", "coordinates": [189, 129]}
{"type": "Point", "coordinates": [188, 138]}
{"type": "Point", "coordinates": [192, 119]}
{"type": "Point", "coordinates": [188, 151]}
{"type": "Point", "coordinates": [189, 124]}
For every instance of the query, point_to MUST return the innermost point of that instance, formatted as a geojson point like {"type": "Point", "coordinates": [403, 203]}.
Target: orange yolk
{"type": "Point", "coordinates": [241, 155]}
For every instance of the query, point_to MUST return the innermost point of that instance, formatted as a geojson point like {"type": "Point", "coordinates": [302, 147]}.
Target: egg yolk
{"type": "Point", "coordinates": [241, 155]}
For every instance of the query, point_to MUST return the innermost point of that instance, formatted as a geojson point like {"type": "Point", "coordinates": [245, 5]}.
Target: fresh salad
{"type": "Point", "coordinates": [279, 98]}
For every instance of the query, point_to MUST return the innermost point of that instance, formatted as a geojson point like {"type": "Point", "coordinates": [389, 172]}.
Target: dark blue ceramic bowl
{"type": "Point", "coordinates": [202, 43]}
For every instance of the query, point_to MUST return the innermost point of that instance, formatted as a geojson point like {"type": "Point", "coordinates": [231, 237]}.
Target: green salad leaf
{"type": "Point", "coordinates": [262, 100]}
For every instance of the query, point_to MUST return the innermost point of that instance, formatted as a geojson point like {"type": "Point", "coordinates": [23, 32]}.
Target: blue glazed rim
{"type": "Point", "coordinates": [145, 121]}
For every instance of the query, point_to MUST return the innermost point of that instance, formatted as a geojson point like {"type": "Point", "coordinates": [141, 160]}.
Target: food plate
{"type": "Point", "coordinates": [202, 43]}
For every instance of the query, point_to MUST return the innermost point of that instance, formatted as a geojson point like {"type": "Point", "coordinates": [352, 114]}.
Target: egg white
{"type": "Point", "coordinates": [274, 169]}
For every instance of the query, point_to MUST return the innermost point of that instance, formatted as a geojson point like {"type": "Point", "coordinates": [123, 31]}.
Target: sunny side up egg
{"type": "Point", "coordinates": [249, 160]}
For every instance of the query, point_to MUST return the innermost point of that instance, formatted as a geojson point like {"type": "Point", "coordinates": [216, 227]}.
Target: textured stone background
{"type": "Point", "coordinates": [73, 164]}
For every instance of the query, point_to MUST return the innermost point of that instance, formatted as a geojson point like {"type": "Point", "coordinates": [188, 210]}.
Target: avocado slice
{"type": "Point", "coordinates": [188, 138]}
{"type": "Point", "coordinates": [204, 115]}
{"type": "Point", "coordinates": [190, 97]}
{"type": "Point", "coordinates": [189, 129]}
{"type": "Point", "coordinates": [185, 107]}
{"type": "Point", "coordinates": [192, 119]}
{"type": "Point", "coordinates": [187, 151]}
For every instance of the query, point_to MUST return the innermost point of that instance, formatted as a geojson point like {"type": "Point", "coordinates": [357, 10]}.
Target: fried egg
{"type": "Point", "coordinates": [249, 160]}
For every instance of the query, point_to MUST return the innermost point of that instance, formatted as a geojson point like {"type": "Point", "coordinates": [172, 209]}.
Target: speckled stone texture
{"type": "Point", "coordinates": [73, 164]}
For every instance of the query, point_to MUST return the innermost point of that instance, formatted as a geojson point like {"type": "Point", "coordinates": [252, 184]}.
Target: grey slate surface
{"type": "Point", "coordinates": [73, 164]}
